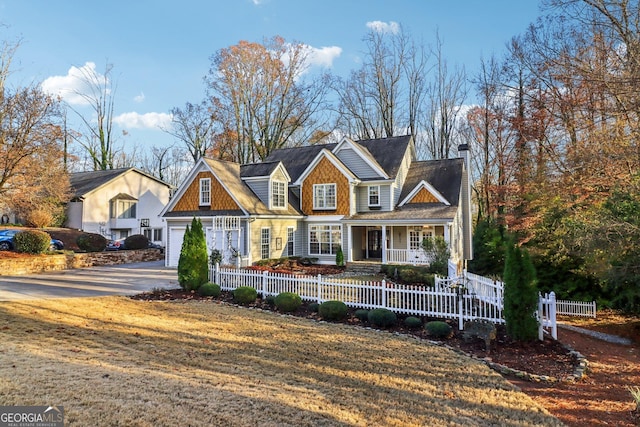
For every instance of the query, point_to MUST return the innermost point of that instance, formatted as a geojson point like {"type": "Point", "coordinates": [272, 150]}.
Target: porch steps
{"type": "Point", "coordinates": [363, 268]}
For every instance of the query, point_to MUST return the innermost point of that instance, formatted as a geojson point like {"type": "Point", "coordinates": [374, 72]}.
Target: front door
{"type": "Point", "coordinates": [374, 243]}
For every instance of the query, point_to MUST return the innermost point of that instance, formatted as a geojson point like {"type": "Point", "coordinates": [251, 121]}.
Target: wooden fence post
{"type": "Point", "coordinates": [384, 293]}
{"type": "Point", "coordinates": [319, 289]}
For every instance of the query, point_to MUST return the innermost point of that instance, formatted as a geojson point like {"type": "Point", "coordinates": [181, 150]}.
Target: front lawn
{"type": "Point", "coordinates": [116, 361]}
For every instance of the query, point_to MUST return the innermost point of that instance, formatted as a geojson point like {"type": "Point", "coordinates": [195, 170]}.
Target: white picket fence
{"type": "Point", "coordinates": [576, 308]}
{"type": "Point", "coordinates": [462, 299]}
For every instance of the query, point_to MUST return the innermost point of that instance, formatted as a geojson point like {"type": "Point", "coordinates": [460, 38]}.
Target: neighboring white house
{"type": "Point", "coordinates": [118, 203]}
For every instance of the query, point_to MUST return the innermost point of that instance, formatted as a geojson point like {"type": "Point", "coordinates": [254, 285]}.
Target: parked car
{"type": "Point", "coordinates": [118, 245]}
{"type": "Point", "coordinates": [7, 242]}
{"type": "Point", "coordinates": [115, 245]}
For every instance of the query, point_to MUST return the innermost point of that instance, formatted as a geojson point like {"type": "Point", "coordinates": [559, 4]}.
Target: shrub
{"type": "Point", "coordinates": [288, 301]}
{"type": "Point", "coordinates": [437, 251]}
{"type": "Point", "coordinates": [245, 295]}
{"type": "Point", "coordinates": [520, 295]}
{"type": "Point", "coordinates": [215, 257]}
{"type": "Point", "coordinates": [438, 329]}
{"type": "Point", "coordinates": [362, 314]}
{"type": "Point", "coordinates": [40, 218]}
{"type": "Point", "coordinates": [209, 290]}
{"type": "Point", "coordinates": [32, 241]}
{"type": "Point", "coordinates": [91, 242]}
{"type": "Point", "coordinates": [192, 264]}
{"type": "Point", "coordinates": [412, 322]}
{"type": "Point", "coordinates": [271, 300]}
{"type": "Point", "coordinates": [136, 241]}
{"type": "Point", "coordinates": [333, 310]}
{"type": "Point", "coordinates": [382, 317]}
{"type": "Point", "coordinates": [314, 307]}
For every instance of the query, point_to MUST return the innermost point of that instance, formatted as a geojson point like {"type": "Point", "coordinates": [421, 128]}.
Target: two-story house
{"type": "Point", "coordinates": [371, 198]}
{"type": "Point", "coordinates": [118, 203]}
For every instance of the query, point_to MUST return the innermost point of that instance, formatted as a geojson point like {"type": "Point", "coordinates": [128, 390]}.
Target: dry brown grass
{"type": "Point", "coordinates": [118, 362]}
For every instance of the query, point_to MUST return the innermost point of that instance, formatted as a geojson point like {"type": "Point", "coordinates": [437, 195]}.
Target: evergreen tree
{"type": "Point", "coordinates": [193, 262]}
{"type": "Point", "coordinates": [520, 295]}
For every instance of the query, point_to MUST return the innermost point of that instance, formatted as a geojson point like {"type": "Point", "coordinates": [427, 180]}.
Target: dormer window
{"type": "Point", "coordinates": [374, 196]}
{"type": "Point", "coordinates": [324, 196]}
{"type": "Point", "coordinates": [278, 195]}
{"type": "Point", "coordinates": [205, 191]}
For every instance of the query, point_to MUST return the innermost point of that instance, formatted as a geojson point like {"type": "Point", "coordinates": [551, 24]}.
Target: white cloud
{"type": "Point", "coordinates": [139, 98]}
{"type": "Point", "coordinates": [384, 27]}
{"type": "Point", "coordinates": [71, 86]}
{"type": "Point", "coordinates": [323, 56]}
{"type": "Point", "coordinates": [135, 120]}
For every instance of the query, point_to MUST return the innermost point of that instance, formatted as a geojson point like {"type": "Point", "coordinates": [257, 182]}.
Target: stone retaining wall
{"type": "Point", "coordinates": [69, 260]}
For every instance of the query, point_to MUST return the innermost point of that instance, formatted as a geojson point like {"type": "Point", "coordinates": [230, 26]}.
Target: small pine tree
{"type": "Point", "coordinates": [520, 295]}
{"type": "Point", "coordinates": [339, 257]}
{"type": "Point", "coordinates": [193, 262]}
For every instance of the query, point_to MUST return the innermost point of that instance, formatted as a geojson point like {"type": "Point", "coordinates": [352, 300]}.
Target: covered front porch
{"type": "Point", "coordinates": [393, 243]}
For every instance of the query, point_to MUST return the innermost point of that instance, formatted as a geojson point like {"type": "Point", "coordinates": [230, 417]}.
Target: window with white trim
{"type": "Point", "coordinates": [324, 239]}
{"type": "Point", "coordinates": [205, 191]}
{"type": "Point", "coordinates": [278, 194]}
{"type": "Point", "coordinates": [153, 234]}
{"type": "Point", "coordinates": [265, 243]}
{"type": "Point", "coordinates": [291, 244]}
{"type": "Point", "coordinates": [374, 195]}
{"type": "Point", "coordinates": [324, 196]}
{"type": "Point", "coordinates": [417, 235]}
{"type": "Point", "coordinates": [122, 209]}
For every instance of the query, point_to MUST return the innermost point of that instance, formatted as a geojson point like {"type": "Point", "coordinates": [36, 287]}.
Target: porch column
{"type": "Point", "coordinates": [349, 244]}
{"type": "Point", "coordinates": [447, 234]}
{"type": "Point", "coordinates": [384, 244]}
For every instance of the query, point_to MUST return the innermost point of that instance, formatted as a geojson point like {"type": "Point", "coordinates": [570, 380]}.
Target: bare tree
{"type": "Point", "coordinates": [446, 94]}
{"type": "Point", "coordinates": [98, 92]}
{"type": "Point", "coordinates": [170, 164]}
{"type": "Point", "coordinates": [194, 125]}
{"type": "Point", "coordinates": [263, 99]}
{"type": "Point", "coordinates": [385, 96]}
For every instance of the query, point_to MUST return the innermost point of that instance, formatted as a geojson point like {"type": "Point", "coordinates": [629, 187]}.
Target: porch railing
{"type": "Point", "coordinates": [407, 256]}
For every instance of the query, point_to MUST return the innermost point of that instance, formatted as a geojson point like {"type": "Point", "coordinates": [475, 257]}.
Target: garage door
{"type": "Point", "coordinates": [176, 236]}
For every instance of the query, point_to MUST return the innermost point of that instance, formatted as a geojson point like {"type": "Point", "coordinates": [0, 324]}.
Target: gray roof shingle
{"type": "Point", "coordinates": [444, 175]}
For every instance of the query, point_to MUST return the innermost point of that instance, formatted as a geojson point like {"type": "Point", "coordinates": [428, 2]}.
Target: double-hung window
{"type": "Point", "coordinates": [324, 196]}
{"type": "Point", "coordinates": [290, 241]}
{"type": "Point", "coordinates": [205, 191]}
{"type": "Point", "coordinates": [374, 196]}
{"type": "Point", "coordinates": [278, 194]}
{"type": "Point", "coordinates": [265, 243]}
{"type": "Point", "coordinates": [324, 239]}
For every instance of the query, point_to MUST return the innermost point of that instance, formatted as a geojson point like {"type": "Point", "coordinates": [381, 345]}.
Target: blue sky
{"type": "Point", "coordinates": [160, 50]}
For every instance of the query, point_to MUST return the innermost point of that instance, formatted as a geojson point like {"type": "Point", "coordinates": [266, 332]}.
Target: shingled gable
{"type": "Point", "coordinates": [326, 154]}
{"type": "Point", "coordinates": [442, 178]}
{"type": "Point", "coordinates": [228, 174]}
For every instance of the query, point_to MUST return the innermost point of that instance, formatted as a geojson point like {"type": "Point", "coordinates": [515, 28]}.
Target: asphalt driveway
{"type": "Point", "coordinates": [124, 279]}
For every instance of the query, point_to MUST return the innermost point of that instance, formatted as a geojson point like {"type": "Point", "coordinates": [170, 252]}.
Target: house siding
{"type": "Point", "coordinates": [278, 229]}
{"type": "Point", "coordinates": [220, 198]}
{"type": "Point", "coordinates": [403, 170]}
{"type": "Point", "coordinates": [326, 173]}
{"type": "Point", "coordinates": [151, 197]}
{"type": "Point", "coordinates": [261, 189]}
{"type": "Point", "coordinates": [362, 197]}
{"type": "Point", "coordinates": [357, 165]}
